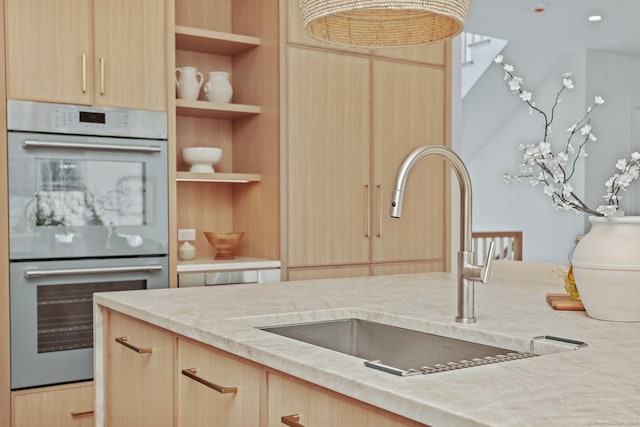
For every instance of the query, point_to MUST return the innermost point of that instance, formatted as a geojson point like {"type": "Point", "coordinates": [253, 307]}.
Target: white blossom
{"type": "Point", "coordinates": [514, 83]}
{"type": "Point", "coordinates": [607, 210]}
{"type": "Point", "coordinates": [568, 83]}
{"type": "Point", "coordinates": [554, 164]}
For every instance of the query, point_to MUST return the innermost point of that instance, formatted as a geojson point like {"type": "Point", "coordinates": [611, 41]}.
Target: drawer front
{"type": "Point", "coordinates": [139, 373]}
{"type": "Point", "coordinates": [216, 388]}
{"type": "Point", "coordinates": [62, 406]}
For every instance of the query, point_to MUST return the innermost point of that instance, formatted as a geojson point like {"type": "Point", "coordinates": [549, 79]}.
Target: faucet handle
{"type": "Point", "coordinates": [485, 271]}
{"type": "Point", "coordinates": [478, 273]}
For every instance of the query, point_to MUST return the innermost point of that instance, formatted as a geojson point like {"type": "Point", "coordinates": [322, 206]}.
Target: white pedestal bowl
{"type": "Point", "coordinates": [202, 159]}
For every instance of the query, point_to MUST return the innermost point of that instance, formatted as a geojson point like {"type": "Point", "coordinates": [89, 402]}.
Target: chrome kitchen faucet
{"type": "Point", "coordinates": [467, 271]}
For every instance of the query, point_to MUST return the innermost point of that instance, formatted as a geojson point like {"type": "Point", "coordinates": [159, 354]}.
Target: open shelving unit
{"type": "Point", "coordinates": [228, 35]}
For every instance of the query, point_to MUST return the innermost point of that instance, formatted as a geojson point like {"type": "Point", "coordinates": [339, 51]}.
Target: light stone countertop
{"type": "Point", "coordinates": [596, 385]}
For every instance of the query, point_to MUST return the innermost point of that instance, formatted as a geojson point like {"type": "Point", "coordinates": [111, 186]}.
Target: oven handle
{"type": "Point", "coordinates": [33, 274]}
{"type": "Point", "coordinates": [84, 146]}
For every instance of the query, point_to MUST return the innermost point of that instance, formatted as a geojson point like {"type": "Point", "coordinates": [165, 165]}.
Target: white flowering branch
{"type": "Point", "coordinates": [554, 171]}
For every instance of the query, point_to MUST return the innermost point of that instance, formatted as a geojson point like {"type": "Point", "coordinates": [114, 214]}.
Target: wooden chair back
{"type": "Point", "coordinates": [508, 244]}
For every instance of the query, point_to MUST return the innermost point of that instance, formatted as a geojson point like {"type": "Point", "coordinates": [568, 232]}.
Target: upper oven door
{"type": "Point", "coordinates": [81, 196]}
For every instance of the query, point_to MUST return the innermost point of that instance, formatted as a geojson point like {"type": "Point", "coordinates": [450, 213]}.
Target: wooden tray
{"type": "Point", "coordinates": [564, 302]}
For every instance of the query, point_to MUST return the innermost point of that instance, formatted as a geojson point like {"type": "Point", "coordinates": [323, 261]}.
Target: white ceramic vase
{"type": "Point", "coordinates": [606, 267]}
{"type": "Point", "coordinates": [218, 88]}
{"type": "Point", "coordinates": [188, 82]}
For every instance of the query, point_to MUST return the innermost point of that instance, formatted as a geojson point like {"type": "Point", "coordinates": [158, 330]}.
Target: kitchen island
{"type": "Point", "coordinates": [595, 385]}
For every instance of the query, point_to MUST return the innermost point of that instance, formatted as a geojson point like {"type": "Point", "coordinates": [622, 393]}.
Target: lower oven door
{"type": "Point", "coordinates": [52, 313]}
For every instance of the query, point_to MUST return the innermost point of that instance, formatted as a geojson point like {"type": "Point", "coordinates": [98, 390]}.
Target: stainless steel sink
{"type": "Point", "coordinates": [393, 349]}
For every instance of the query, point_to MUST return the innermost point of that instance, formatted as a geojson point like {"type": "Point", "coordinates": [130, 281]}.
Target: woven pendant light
{"type": "Point", "coordinates": [382, 23]}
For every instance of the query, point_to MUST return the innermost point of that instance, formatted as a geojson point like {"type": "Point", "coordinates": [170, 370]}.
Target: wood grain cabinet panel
{"type": "Point", "coordinates": [313, 406]}
{"type": "Point", "coordinates": [236, 401]}
{"type": "Point", "coordinates": [60, 406]}
{"type": "Point", "coordinates": [92, 52]}
{"type": "Point", "coordinates": [409, 111]}
{"type": "Point", "coordinates": [328, 158]}
{"type": "Point", "coordinates": [139, 377]}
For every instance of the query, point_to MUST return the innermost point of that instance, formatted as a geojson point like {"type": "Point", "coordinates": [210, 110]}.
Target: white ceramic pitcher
{"type": "Point", "coordinates": [188, 82]}
{"type": "Point", "coordinates": [218, 88]}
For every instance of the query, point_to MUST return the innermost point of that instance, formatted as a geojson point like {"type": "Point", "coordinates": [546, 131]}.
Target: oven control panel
{"type": "Point", "coordinates": [73, 119]}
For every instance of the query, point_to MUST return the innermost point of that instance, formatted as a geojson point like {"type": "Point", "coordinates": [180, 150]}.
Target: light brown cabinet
{"type": "Point", "coordinates": [60, 406]}
{"type": "Point", "coordinates": [351, 117]}
{"type": "Point", "coordinates": [139, 370]}
{"type": "Point", "coordinates": [216, 388]}
{"type": "Point", "coordinates": [157, 378]}
{"type": "Point", "coordinates": [296, 403]}
{"type": "Point", "coordinates": [99, 52]}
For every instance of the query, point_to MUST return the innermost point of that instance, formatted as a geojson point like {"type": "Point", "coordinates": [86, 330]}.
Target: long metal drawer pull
{"type": "Point", "coordinates": [379, 202]}
{"type": "Point", "coordinates": [367, 220]}
{"type": "Point", "coordinates": [81, 413]}
{"type": "Point", "coordinates": [84, 146]}
{"type": "Point", "coordinates": [84, 73]}
{"type": "Point", "coordinates": [192, 373]}
{"type": "Point", "coordinates": [291, 420]}
{"type": "Point", "coordinates": [32, 274]}
{"type": "Point", "coordinates": [125, 342]}
{"type": "Point", "coordinates": [101, 76]}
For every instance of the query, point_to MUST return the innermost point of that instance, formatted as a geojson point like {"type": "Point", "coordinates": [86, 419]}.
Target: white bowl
{"type": "Point", "coordinates": [202, 159]}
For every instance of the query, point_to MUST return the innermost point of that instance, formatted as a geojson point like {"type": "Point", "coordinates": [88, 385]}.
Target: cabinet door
{"type": "Point", "coordinates": [49, 50]}
{"type": "Point", "coordinates": [314, 407]}
{"type": "Point", "coordinates": [409, 111]}
{"type": "Point", "coordinates": [62, 406]}
{"type": "Point", "coordinates": [223, 391]}
{"type": "Point", "coordinates": [139, 377]}
{"type": "Point", "coordinates": [328, 158]}
{"type": "Point", "coordinates": [130, 53]}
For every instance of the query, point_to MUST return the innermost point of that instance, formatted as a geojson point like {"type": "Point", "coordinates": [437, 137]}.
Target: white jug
{"type": "Point", "coordinates": [218, 88]}
{"type": "Point", "coordinates": [188, 82]}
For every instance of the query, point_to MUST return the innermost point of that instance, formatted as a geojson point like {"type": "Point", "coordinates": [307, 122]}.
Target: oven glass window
{"type": "Point", "coordinates": [73, 192]}
{"type": "Point", "coordinates": [65, 313]}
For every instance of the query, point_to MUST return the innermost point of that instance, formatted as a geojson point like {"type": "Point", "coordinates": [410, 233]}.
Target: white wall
{"type": "Point", "coordinates": [548, 234]}
{"type": "Point", "coordinates": [615, 78]}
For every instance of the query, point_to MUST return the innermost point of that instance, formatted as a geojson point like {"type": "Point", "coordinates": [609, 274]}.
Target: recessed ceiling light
{"type": "Point", "coordinates": [595, 18]}
{"type": "Point", "coordinates": [540, 7]}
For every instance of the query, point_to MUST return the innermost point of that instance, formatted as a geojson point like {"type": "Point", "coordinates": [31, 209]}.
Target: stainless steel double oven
{"type": "Point", "coordinates": [88, 212]}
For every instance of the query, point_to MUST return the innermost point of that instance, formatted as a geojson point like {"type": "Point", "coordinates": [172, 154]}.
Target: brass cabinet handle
{"type": "Point", "coordinates": [191, 373]}
{"type": "Point", "coordinates": [84, 73]}
{"type": "Point", "coordinates": [379, 201]}
{"type": "Point", "coordinates": [81, 413]}
{"type": "Point", "coordinates": [367, 211]}
{"type": "Point", "coordinates": [101, 76]}
{"type": "Point", "coordinates": [291, 420]}
{"type": "Point", "coordinates": [125, 342]}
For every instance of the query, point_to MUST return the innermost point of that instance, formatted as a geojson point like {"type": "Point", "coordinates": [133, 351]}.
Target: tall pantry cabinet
{"type": "Point", "coordinates": [352, 115]}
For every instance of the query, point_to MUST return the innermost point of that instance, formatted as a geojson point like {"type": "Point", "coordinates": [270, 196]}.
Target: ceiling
{"type": "Point", "coordinates": [562, 25]}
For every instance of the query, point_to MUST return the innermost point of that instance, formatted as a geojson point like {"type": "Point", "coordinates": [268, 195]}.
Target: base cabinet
{"type": "Point", "coordinates": [176, 381]}
{"type": "Point", "coordinates": [215, 388]}
{"type": "Point", "coordinates": [139, 373]}
{"type": "Point", "coordinates": [296, 403]}
{"type": "Point", "coordinates": [61, 406]}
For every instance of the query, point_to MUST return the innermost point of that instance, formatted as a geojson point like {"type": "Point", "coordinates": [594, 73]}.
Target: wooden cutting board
{"type": "Point", "coordinates": [564, 302]}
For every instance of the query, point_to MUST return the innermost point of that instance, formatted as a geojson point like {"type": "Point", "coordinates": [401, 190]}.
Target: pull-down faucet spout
{"type": "Point", "coordinates": [467, 271]}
